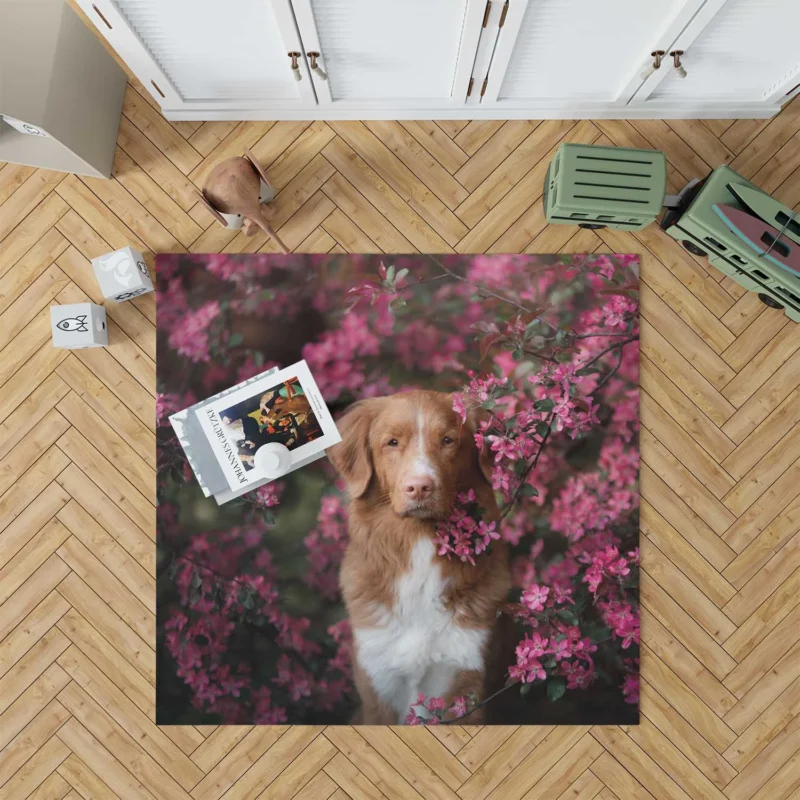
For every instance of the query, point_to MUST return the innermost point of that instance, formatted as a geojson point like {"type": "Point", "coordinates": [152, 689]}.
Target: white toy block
{"type": "Point", "coordinates": [79, 325]}
{"type": "Point", "coordinates": [122, 274]}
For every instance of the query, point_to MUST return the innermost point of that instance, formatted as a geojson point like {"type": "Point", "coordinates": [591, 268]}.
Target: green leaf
{"type": "Point", "coordinates": [556, 688]}
{"type": "Point", "coordinates": [562, 337]}
{"type": "Point", "coordinates": [488, 404]}
{"type": "Point", "coordinates": [400, 275]}
{"type": "Point", "coordinates": [235, 340]}
{"type": "Point", "coordinates": [597, 633]}
{"type": "Point", "coordinates": [565, 615]}
{"type": "Point", "coordinates": [194, 595]}
{"type": "Point", "coordinates": [529, 491]}
{"type": "Point", "coordinates": [197, 581]}
{"type": "Point", "coordinates": [542, 428]}
{"type": "Point", "coordinates": [525, 688]}
{"type": "Point", "coordinates": [582, 373]}
{"type": "Point", "coordinates": [245, 597]}
{"type": "Point", "coordinates": [518, 355]}
{"type": "Point", "coordinates": [563, 357]}
{"type": "Point", "coordinates": [531, 330]}
{"type": "Point", "coordinates": [390, 274]}
{"type": "Point", "coordinates": [545, 405]}
{"type": "Point", "coordinates": [631, 580]}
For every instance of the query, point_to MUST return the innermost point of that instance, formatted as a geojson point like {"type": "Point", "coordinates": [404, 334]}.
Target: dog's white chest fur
{"type": "Point", "coordinates": [416, 645]}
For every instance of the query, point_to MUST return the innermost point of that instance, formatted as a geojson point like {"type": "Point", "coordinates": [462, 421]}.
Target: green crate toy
{"type": "Point", "coordinates": [605, 187]}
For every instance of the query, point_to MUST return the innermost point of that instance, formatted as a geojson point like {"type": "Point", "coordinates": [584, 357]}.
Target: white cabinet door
{"type": "Point", "coordinates": [391, 54]}
{"type": "Point", "coordinates": [573, 54]}
{"type": "Point", "coordinates": [206, 53]}
{"type": "Point", "coordinates": [745, 51]}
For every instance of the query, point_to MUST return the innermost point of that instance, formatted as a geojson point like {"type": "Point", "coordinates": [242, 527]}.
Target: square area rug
{"type": "Point", "coordinates": [468, 553]}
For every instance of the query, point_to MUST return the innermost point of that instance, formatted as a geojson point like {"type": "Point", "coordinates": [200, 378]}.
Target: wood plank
{"type": "Point", "coordinates": [112, 444]}
{"type": "Point", "coordinates": [33, 227]}
{"type": "Point", "coordinates": [27, 305]}
{"type": "Point", "coordinates": [437, 143]}
{"type": "Point", "coordinates": [502, 198]}
{"type": "Point", "coordinates": [100, 694]}
{"type": "Point", "coordinates": [152, 197]}
{"type": "Point", "coordinates": [110, 518]}
{"type": "Point", "coordinates": [109, 625]}
{"type": "Point", "coordinates": [692, 456]}
{"type": "Point", "coordinates": [230, 769]}
{"type": "Point", "coordinates": [119, 742]}
{"type": "Point", "coordinates": [30, 267]}
{"type": "Point", "coordinates": [372, 227]}
{"type": "Point", "coordinates": [108, 478]}
{"type": "Point", "coordinates": [26, 198]}
{"type": "Point", "coordinates": [386, 199]}
{"type": "Point", "coordinates": [84, 782]}
{"type": "Point", "coordinates": [31, 738]}
{"type": "Point", "coordinates": [159, 131]}
{"type": "Point", "coordinates": [420, 163]}
{"type": "Point", "coordinates": [98, 760]}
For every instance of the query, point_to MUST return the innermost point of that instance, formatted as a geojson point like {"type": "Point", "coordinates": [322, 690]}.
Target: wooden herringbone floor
{"type": "Point", "coordinates": [720, 471]}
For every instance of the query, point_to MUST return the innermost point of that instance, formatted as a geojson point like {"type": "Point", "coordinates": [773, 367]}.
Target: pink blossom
{"type": "Point", "coordinates": [267, 496]}
{"type": "Point", "coordinates": [464, 534]}
{"type": "Point", "coordinates": [528, 667]}
{"type": "Point", "coordinates": [166, 405]}
{"type": "Point", "coordinates": [630, 688]}
{"type": "Point", "coordinates": [459, 407]}
{"type": "Point", "coordinates": [578, 676]}
{"type": "Point", "coordinates": [459, 707]}
{"type": "Point", "coordinates": [535, 596]}
{"type": "Point", "coordinates": [618, 311]}
{"type": "Point", "coordinates": [190, 339]}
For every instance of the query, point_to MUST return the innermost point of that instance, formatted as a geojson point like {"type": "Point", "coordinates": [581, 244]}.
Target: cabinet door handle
{"type": "Point", "coordinates": [676, 60]}
{"type": "Point", "coordinates": [657, 56]}
{"type": "Point", "coordinates": [295, 65]}
{"type": "Point", "coordinates": [317, 70]}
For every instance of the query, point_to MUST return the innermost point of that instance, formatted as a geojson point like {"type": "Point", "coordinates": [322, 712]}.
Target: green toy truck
{"type": "Point", "coordinates": [599, 187]}
{"type": "Point", "coordinates": [696, 225]}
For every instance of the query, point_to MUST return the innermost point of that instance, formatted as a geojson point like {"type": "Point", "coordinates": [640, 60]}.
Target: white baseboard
{"type": "Point", "coordinates": [649, 111]}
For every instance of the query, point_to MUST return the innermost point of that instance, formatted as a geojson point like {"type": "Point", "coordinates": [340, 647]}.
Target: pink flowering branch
{"type": "Point", "coordinates": [483, 703]}
{"type": "Point", "coordinates": [486, 291]}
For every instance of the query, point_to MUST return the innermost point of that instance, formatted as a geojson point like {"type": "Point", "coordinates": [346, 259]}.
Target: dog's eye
{"type": "Point", "coordinates": [392, 442]}
{"type": "Point", "coordinates": [447, 440]}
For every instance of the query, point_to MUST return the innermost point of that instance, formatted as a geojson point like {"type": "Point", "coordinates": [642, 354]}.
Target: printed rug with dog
{"type": "Point", "coordinates": [468, 553]}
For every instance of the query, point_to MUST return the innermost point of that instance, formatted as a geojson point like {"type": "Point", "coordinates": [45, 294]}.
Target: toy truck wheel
{"type": "Point", "coordinates": [769, 301]}
{"type": "Point", "coordinates": [693, 248]}
{"type": "Point", "coordinates": [592, 226]}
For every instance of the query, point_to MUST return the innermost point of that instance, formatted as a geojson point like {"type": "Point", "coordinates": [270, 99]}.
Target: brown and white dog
{"type": "Point", "coordinates": [421, 623]}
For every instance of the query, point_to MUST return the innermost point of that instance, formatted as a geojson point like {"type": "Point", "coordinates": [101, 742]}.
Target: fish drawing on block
{"type": "Point", "coordinates": [77, 324]}
{"type": "Point", "coordinates": [763, 238]}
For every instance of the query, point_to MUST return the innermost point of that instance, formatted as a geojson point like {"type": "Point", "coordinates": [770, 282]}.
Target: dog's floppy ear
{"type": "Point", "coordinates": [352, 457]}
{"type": "Point", "coordinates": [475, 417]}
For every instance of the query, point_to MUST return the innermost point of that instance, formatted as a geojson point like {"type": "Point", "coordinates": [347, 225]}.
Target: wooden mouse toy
{"type": "Point", "coordinates": [234, 193]}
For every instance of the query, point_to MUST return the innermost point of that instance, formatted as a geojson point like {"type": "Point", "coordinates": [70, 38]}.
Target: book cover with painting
{"type": "Point", "coordinates": [226, 436]}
